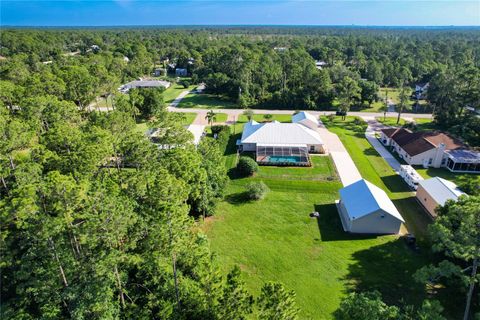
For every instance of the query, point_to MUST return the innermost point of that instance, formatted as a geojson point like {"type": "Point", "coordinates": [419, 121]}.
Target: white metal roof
{"type": "Point", "coordinates": [197, 131]}
{"type": "Point", "coordinates": [441, 190]}
{"type": "Point", "coordinates": [276, 133]}
{"type": "Point", "coordinates": [304, 116]}
{"type": "Point", "coordinates": [362, 198]}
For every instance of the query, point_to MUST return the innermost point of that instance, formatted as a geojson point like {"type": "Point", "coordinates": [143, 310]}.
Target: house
{"type": "Point", "coordinates": [434, 192]}
{"type": "Point", "coordinates": [181, 72]}
{"type": "Point", "coordinates": [421, 90]}
{"type": "Point", "coordinates": [320, 64]}
{"type": "Point", "coordinates": [278, 143]}
{"type": "Point", "coordinates": [431, 149]}
{"type": "Point", "coordinates": [144, 84]}
{"type": "Point", "coordinates": [365, 208]}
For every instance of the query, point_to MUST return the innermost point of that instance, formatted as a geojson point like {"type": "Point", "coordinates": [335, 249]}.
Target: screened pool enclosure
{"type": "Point", "coordinates": [283, 155]}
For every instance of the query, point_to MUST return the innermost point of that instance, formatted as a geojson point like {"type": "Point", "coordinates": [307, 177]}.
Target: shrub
{"type": "Point", "coordinates": [358, 121]}
{"type": "Point", "coordinates": [185, 83]}
{"type": "Point", "coordinates": [331, 117]}
{"type": "Point", "coordinates": [256, 190]}
{"type": "Point", "coordinates": [247, 166]}
{"type": "Point", "coordinates": [267, 116]}
{"type": "Point", "coordinates": [223, 135]}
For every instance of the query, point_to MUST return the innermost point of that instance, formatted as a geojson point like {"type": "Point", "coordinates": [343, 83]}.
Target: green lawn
{"type": "Point", "coordinates": [261, 118]}
{"type": "Point", "coordinates": [174, 91]}
{"type": "Point", "coordinates": [391, 121]}
{"type": "Point", "coordinates": [205, 101]}
{"type": "Point", "coordinates": [442, 173]}
{"type": "Point", "coordinates": [221, 117]}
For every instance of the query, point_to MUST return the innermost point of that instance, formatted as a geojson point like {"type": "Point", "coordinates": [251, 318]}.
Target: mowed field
{"type": "Point", "coordinates": [274, 239]}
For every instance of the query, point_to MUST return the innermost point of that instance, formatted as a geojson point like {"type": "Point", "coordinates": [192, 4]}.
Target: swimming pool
{"type": "Point", "coordinates": [284, 159]}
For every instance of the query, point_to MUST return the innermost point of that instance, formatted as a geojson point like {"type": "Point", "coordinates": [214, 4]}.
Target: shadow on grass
{"type": "Point", "coordinates": [395, 184]}
{"type": "Point", "coordinates": [389, 269]}
{"type": "Point", "coordinates": [370, 152]}
{"type": "Point", "coordinates": [416, 217]}
{"type": "Point", "coordinates": [330, 226]}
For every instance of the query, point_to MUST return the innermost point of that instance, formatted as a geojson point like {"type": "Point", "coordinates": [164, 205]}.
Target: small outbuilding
{"type": "Point", "coordinates": [434, 192]}
{"type": "Point", "coordinates": [365, 208]}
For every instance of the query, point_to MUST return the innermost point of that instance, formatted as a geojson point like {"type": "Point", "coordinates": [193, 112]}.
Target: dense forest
{"type": "Point", "coordinates": [98, 223]}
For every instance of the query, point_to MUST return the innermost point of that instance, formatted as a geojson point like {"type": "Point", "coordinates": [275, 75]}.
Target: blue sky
{"type": "Point", "coordinates": [200, 12]}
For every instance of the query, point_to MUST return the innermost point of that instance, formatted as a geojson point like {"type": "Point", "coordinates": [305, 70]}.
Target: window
{"type": "Point", "coordinates": [312, 148]}
{"type": "Point", "coordinates": [430, 161]}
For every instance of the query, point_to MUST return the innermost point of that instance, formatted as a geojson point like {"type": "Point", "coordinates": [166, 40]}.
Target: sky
{"type": "Point", "coordinates": [229, 12]}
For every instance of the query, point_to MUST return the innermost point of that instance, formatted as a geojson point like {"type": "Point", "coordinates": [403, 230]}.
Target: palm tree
{"type": "Point", "coordinates": [211, 116]}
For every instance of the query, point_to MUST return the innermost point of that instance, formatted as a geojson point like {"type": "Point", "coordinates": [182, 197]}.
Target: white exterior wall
{"type": "Point", "coordinates": [377, 222]}
{"type": "Point", "coordinates": [384, 139]}
{"type": "Point", "coordinates": [318, 148]}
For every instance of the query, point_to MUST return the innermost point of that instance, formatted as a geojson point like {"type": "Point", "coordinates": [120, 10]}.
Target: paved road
{"type": "Point", "coordinates": [374, 127]}
{"type": "Point", "coordinates": [236, 112]}
{"type": "Point", "coordinates": [346, 168]}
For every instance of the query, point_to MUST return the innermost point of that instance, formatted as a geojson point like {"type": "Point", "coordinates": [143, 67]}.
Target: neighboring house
{"type": "Point", "coordinates": [421, 90]}
{"type": "Point", "coordinates": [181, 72]}
{"type": "Point", "coordinates": [144, 84]}
{"type": "Point", "coordinates": [282, 143]}
{"type": "Point", "coordinates": [434, 192]}
{"type": "Point", "coordinates": [320, 64]}
{"type": "Point", "coordinates": [431, 149]}
{"type": "Point", "coordinates": [365, 208]}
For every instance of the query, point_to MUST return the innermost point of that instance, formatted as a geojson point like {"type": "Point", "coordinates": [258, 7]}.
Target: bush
{"type": "Point", "coordinates": [223, 135]}
{"type": "Point", "coordinates": [256, 190]}
{"type": "Point", "coordinates": [331, 117]}
{"type": "Point", "coordinates": [247, 166]}
{"type": "Point", "coordinates": [185, 83]}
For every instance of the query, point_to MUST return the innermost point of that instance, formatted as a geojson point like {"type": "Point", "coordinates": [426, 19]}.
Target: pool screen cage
{"type": "Point", "coordinates": [284, 155]}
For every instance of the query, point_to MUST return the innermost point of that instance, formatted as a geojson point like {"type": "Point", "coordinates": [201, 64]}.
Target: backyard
{"type": "Point", "coordinates": [274, 239]}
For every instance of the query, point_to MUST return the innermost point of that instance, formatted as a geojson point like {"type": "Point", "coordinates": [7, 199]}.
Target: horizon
{"type": "Point", "coordinates": [323, 13]}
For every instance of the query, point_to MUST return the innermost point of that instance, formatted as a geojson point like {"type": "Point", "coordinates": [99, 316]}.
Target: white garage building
{"type": "Point", "coordinates": [365, 208]}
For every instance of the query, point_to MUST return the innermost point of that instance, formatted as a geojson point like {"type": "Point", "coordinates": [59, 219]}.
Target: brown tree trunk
{"type": "Point", "coordinates": [470, 290]}
{"type": "Point", "coordinates": [55, 255]}
{"type": "Point", "coordinates": [119, 284]}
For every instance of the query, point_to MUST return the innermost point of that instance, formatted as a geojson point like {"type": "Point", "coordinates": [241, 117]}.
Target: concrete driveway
{"type": "Point", "coordinates": [346, 168]}
{"type": "Point", "coordinates": [373, 127]}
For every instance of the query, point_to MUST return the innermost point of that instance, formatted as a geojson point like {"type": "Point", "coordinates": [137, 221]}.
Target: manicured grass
{"type": "Point", "coordinates": [274, 239]}
{"type": "Point", "coordinates": [172, 93]}
{"type": "Point", "coordinates": [391, 121]}
{"type": "Point", "coordinates": [376, 170]}
{"type": "Point", "coordinates": [221, 117]}
{"type": "Point", "coordinates": [205, 101]}
{"type": "Point", "coordinates": [261, 118]}
{"type": "Point", "coordinates": [189, 117]}
{"type": "Point", "coordinates": [442, 173]}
